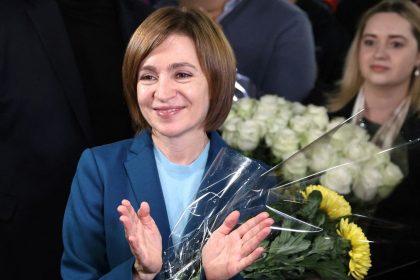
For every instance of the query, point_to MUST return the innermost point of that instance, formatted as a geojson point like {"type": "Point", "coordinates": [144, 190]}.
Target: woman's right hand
{"type": "Point", "coordinates": [228, 251]}
{"type": "Point", "coordinates": [143, 237]}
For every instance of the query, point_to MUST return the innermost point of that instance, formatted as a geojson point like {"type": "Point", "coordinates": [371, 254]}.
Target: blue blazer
{"type": "Point", "coordinates": [94, 242]}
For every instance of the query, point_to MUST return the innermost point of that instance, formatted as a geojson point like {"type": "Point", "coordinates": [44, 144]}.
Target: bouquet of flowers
{"type": "Point", "coordinates": [314, 234]}
{"type": "Point", "coordinates": [340, 251]}
{"type": "Point", "coordinates": [272, 129]}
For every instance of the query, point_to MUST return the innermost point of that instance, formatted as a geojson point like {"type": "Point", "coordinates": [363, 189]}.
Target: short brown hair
{"type": "Point", "coordinates": [213, 50]}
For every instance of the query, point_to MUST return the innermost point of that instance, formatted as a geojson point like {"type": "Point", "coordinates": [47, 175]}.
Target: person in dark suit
{"type": "Point", "coordinates": [60, 92]}
{"type": "Point", "coordinates": [179, 74]}
{"type": "Point", "coordinates": [382, 76]}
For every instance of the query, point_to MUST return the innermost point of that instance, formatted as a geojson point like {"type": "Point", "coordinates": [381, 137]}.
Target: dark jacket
{"type": "Point", "coordinates": [44, 126]}
{"type": "Point", "coordinates": [274, 46]}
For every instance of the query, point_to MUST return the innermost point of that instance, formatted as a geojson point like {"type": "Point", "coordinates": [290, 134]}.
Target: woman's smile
{"type": "Point", "coordinates": [167, 112]}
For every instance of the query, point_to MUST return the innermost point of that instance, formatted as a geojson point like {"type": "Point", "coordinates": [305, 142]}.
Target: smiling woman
{"type": "Point", "coordinates": [215, 57]}
{"type": "Point", "coordinates": [178, 75]}
{"type": "Point", "coordinates": [172, 93]}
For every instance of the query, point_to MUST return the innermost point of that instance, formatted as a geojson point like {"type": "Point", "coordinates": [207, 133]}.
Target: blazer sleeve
{"type": "Point", "coordinates": [84, 241]}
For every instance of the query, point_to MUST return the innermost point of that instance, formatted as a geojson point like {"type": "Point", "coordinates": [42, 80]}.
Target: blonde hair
{"type": "Point", "coordinates": [352, 79]}
{"type": "Point", "coordinates": [213, 50]}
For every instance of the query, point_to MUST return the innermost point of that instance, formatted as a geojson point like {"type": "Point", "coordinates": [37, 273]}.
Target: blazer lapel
{"type": "Point", "coordinates": [143, 175]}
{"type": "Point", "coordinates": [52, 32]}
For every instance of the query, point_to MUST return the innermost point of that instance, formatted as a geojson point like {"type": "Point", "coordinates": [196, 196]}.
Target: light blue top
{"type": "Point", "coordinates": [179, 185]}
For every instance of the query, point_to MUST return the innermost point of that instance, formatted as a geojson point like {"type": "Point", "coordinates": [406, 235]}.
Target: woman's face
{"type": "Point", "coordinates": [172, 90]}
{"type": "Point", "coordinates": [388, 51]}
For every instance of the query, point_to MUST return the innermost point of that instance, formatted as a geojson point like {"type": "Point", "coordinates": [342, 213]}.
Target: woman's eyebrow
{"type": "Point", "coordinates": [177, 65]}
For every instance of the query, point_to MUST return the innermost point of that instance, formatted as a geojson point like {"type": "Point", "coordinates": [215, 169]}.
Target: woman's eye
{"type": "Point", "coordinates": [182, 75]}
{"type": "Point", "coordinates": [368, 42]}
{"type": "Point", "coordinates": [147, 77]}
{"type": "Point", "coordinates": [397, 45]}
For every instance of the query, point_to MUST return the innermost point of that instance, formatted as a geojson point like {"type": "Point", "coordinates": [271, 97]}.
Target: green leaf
{"type": "Point", "coordinates": [287, 243]}
{"type": "Point", "coordinates": [312, 206]}
{"type": "Point", "coordinates": [332, 270]}
{"type": "Point", "coordinates": [322, 244]}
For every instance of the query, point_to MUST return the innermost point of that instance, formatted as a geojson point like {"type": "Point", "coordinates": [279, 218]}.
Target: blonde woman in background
{"type": "Point", "coordinates": [382, 76]}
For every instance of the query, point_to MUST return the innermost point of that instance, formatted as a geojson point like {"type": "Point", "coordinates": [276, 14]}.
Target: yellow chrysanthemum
{"type": "Point", "coordinates": [360, 250]}
{"type": "Point", "coordinates": [332, 203]}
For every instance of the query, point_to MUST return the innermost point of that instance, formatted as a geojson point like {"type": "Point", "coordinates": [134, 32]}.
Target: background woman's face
{"type": "Point", "coordinates": [388, 50]}
{"type": "Point", "coordinates": [172, 90]}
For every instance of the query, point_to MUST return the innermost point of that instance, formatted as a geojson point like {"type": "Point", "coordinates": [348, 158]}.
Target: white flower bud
{"type": "Point", "coordinates": [248, 135]}
{"type": "Point", "coordinates": [321, 156]}
{"type": "Point", "coordinates": [338, 179]}
{"type": "Point", "coordinates": [392, 176]}
{"type": "Point", "coordinates": [318, 115]}
{"type": "Point", "coordinates": [285, 142]}
{"type": "Point", "coordinates": [367, 182]}
{"type": "Point", "coordinates": [295, 167]}
{"type": "Point", "coordinates": [245, 107]}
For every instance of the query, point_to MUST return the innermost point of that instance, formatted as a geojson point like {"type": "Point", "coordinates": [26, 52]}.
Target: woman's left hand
{"type": "Point", "coordinates": [228, 252]}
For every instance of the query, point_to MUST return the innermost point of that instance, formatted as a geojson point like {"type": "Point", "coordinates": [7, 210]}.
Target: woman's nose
{"type": "Point", "coordinates": [165, 89]}
{"type": "Point", "coordinates": [380, 51]}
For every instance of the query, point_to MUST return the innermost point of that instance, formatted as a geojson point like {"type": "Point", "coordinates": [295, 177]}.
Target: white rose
{"type": "Point", "coordinates": [334, 123]}
{"type": "Point", "coordinates": [232, 114]}
{"type": "Point", "coordinates": [274, 127]}
{"type": "Point", "coordinates": [352, 167]}
{"type": "Point", "coordinates": [321, 156]}
{"type": "Point", "coordinates": [245, 107]}
{"type": "Point", "coordinates": [367, 182]}
{"type": "Point", "coordinates": [264, 115]}
{"type": "Point", "coordinates": [318, 115]}
{"type": "Point", "coordinates": [284, 113]}
{"type": "Point", "coordinates": [248, 135]}
{"type": "Point", "coordinates": [295, 167]}
{"type": "Point", "coordinates": [229, 130]}
{"type": "Point", "coordinates": [392, 176]}
{"type": "Point", "coordinates": [267, 107]}
{"type": "Point", "coordinates": [300, 124]}
{"type": "Point", "coordinates": [378, 158]}
{"type": "Point", "coordinates": [263, 127]}
{"type": "Point", "coordinates": [340, 137]}
{"type": "Point", "coordinates": [274, 99]}
{"type": "Point", "coordinates": [338, 179]}
{"type": "Point", "coordinates": [271, 100]}
{"type": "Point", "coordinates": [231, 123]}
{"type": "Point", "coordinates": [310, 136]}
{"type": "Point", "coordinates": [359, 134]}
{"type": "Point", "coordinates": [355, 150]}
{"type": "Point", "coordinates": [230, 138]}
{"type": "Point", "coordinates": [347, 132]}
{"type": "Point", "coordinates": [298, 108]}
{"type": "Point", "coordinates": [284, 143]}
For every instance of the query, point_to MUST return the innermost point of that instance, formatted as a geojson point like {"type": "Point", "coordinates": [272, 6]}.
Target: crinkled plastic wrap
{"type": "Point", "coordinates": [301, 244]}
